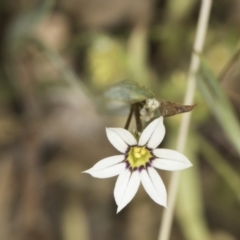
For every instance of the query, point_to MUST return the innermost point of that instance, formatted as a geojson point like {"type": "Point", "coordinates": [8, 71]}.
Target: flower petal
{"type": "Point", "coordinates": [170, 160]}
{"type": "Point", "coordinates": [149, 187]}
{"type": "Point", "coordinates": [130, 190]}
{"type": "Point", "coordinates": [121, 185]}
{"type": "Point", "coordinates": [108, 172]}
{"type": "Point", "coordinates": [117, 139]}
{"type": "Point", "coordinates": [153, 134]}
{"type": "Point", "coordinates": [107, 162]}
{"type": "Point", "coordinates": [126, 136]}
{"type": "Point", "coordinates": [158, 185]}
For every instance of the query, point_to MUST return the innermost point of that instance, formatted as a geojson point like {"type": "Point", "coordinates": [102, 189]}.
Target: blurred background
{"type": "Point", "coordinates": [56, 57]}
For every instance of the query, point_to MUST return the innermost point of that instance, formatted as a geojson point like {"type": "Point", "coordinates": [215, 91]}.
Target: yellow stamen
{"type": "Point", "coordinates": [137, 149]}
{"type": "Point", "coordinates": [143, 151]}
{"type": "Point", "coordinates": [137, 155]}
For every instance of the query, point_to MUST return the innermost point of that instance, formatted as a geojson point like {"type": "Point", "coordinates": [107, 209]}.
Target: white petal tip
{"type": "Point", "coordinates": [164, 205]}
{"type": "Point", "coordinates": [189, 165]}
{"type": "Point", "coordinates": [88, 172]}
{"type": "Point", "coordinates": [118, 210]}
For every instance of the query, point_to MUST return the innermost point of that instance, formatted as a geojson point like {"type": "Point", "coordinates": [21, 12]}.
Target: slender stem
{"type": "Point", "coordinates": [137, 117]}
{"type": "Point", "coordinates": [166, 225]}
{"type": "Point", "coordinates": [129, 118]}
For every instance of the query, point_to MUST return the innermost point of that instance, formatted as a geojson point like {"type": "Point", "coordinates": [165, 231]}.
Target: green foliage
{"type": "Point", "coordinates": [219, 105]}
{"type": "Point", "coordinates": [221, 167]}
{"type": "Point", "coordinates": [128, 92]}
{"type": "Point", "coordinates": [24, 24]}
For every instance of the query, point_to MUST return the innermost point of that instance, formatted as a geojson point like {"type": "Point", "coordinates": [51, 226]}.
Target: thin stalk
{"type": "Point", "coordinates": [129, 118]}
{"type": "Point", "coordinates": [165, 228]}
{"type": "Point", "coordinates": [137, 117]}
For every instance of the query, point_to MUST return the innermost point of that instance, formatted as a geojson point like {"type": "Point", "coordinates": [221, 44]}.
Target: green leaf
{"type": "Point", "coordinates": [219, 105]}
{"type": "Point", "coordinates": [23, 25]}
{"type": "Point", "coordinates": [221, 166]}
{"type": "Point", "coordinates": [128, 92]}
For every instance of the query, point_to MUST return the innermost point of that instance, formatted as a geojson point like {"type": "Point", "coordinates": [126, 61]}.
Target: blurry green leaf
{"type": "Point", "coordinates": [190, 211]}
{"type": "Point", "coordinates": [219, 105]}
{"type": "Point", "coordinates": [212, 83]}
{"type": "Point", "coordinates": [229, 66]}
{"type": "Point", "coordinates": [190, 203]}
{"type": "Point", "coordinates": [24, 23]}
{"type": "Point", "coordinates": [168, 109]}
{"type": "Point", "coordinates": [69, 75]}
{"type": "Point", "coordinates": [74, 224]}
{"type": "Point", "coordinates": [221, 166]}
{"type": "Point", "coordinates": [106, 60]}
{"type": "Point", "coordinates": [128, 92]}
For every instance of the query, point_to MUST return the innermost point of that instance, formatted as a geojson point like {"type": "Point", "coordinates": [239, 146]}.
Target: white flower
{"type": "Point", "coordinates": [137, 162]}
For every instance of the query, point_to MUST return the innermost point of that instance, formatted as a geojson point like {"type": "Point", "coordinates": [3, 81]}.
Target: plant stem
{"type": "Point", "coordinates": [129, 118]}
{"type": "Point", "coordinates": [137, 117]}
{"type": "Point", "coordinates": [165, 227]}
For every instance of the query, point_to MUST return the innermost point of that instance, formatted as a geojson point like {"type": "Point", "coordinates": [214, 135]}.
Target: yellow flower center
{"type": "Point", "coordinates": [139, 156]}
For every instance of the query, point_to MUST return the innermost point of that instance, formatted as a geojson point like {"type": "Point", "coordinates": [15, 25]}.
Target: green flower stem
{"type": "Point", "coordinates": [129, 118]}
{"type": "Point", "coordinates": [137, 117]}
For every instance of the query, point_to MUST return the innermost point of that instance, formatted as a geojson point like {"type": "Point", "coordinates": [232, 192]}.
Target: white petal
{"type": "Point", "coordinates": [153, 134]}
{"type": "Point", "coordinates": [107, 162]}
{"type": "Point", "coordinates": [121, 185]}
{"type": "Point", "coordinates": [149, 187]}
{"type": "Point", "coordinates": [170, 160]}
{"type": "Point", "coordinates": [108, 172]}
{"type": "Point", "coordinates": [126, 136]}
{"type": "Point", "coordinates": [158, 185]}
{"type": "Point", "coordinates": [116, 140]}
{"type": "Point", "coordinates": [131, 190]}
